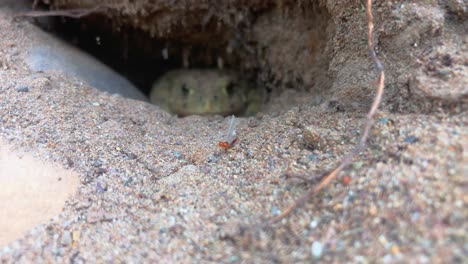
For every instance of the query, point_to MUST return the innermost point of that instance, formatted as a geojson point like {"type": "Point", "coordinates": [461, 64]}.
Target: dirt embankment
{"type": "Point", "coordinates": [157, 188]}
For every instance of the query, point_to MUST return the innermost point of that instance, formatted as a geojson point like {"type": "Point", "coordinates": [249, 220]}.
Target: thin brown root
{"type": "Point", "coordinates": [362, 142]}
{"type": "Point", "coordinates": [73, 13]}
{"type": "Point", "coordinates": [318, 175]}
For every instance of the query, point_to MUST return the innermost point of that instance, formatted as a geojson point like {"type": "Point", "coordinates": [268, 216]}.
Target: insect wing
{"type": "Point", "coordinates": [231, 133]}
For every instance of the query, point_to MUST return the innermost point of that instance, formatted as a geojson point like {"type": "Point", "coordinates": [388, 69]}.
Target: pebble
{"type": "Point", "coordinates": [313, 139]}
{"type": "Point", "coordinates": [312, 157]}
{"type": "Point", "coordinates": [212, 159]}
{"type": "Point", "coordinates": [395, 249]}
{"type": "Point", "coordinates": [22, 89]}
{"type": "Point", "coordinates": [313, 224]}
{"type": "Point", "coordinates": [275, 210]}
{"type": "Point", "coordinates": [303, 160]}
{"type": "Point", "coordinates": [66, 238]}
{"type": "Point", "coordinates": [383, 120]}
{"type": "Point", "coordinates": [101, 187]}
{"type": "Point", "coordinates": [458, 7]}
{"type": "Point", "coordinates": [177, 154]}
{"type": "Point", "coordinates": [411, 139]}
{"type": "Point", "coordinates": [357, 165]}
{"type": "Point", "coordinates": [317, 249]}
{"type": "Point", "coordinates": [372, 210]}
{"type": "Point", "coordinates": [253, 122]}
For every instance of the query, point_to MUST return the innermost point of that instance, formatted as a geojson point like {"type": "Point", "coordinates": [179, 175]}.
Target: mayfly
{"type": "Point", "coordinates": [231, 137]}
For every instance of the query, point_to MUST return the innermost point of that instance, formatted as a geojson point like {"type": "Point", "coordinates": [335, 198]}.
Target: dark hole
{"type": "Point", "coordinates": [230, 88]}
{"type": "Point", "coordinates": [185, 90]}
{"type": "Point", "coordinates": [133, 53]}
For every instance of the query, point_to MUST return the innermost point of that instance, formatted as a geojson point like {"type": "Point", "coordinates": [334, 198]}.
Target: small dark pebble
{"type": "Point", "coordinates": [99, 171]}
{"type": "Point", "coordinates": [70, 162]}
{"type": "Point", "coordinates": [303, 160]}
{"type": "Point", "coordinates": [253, 122]}
{"type": "Point", "coordinates": [212, 159]}
{"type": "Point", "coordinates": [97, 163]}
{"type": "Point", "coordinates": [22, 89]}
{"type": "Point", "coordinates": [177, 229]}
{"type": "Point", "coordinates": [275, 210]}
{"type": "Point", "coordinates": [411, 139]}
{"type": "Point", "coordinates": [383, 120]}
{"type": "Point", "coordinates": [129, 155]}
{"type": "Point", "coordinates": [447, 60]}
{"type": "Point", "coordinates": [88, 179]}
{"type": "Point", "coordinates": [101, 188]}
{"type": "Point", "coordinates": [444, 74]}
{"type": "Point", "coordinates": [312, 157]}
{"type": "Point", "coordinates": [335, 105]}
{"type": "Point", "coordinates": [128, 181]}
{"type": "Point", "coordinates": [177, 154]}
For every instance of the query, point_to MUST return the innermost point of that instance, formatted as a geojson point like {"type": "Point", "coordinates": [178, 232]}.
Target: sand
{"type": "Point", "coordinates": [156, 188]}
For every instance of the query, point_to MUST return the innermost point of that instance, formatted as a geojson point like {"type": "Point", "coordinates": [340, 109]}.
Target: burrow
{"type": "Point", "coordinates": [280, 46]}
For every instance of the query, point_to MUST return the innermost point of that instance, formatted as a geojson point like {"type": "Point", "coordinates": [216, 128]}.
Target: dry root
{"type": "Point", "coordinates": [369, 121]}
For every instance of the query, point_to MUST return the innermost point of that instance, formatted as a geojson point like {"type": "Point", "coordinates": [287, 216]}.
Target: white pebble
{"type": "Point", "coordinates": [313, 224]}
{"type": "Point", "coordinates": [317, 249]}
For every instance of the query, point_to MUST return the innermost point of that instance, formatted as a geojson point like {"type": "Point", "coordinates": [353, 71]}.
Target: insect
{"type": "Point", "coordinates": [231, 137]}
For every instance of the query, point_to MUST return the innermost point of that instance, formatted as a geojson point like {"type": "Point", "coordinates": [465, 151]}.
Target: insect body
{"type": "Point", "coordinates": [231, 137]}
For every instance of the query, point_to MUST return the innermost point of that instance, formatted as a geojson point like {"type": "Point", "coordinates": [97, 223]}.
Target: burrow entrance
{"type": "Point", "coordinates": [275, 47]}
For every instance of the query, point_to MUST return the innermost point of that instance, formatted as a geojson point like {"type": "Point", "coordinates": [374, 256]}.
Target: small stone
{"type": "Point", "coordinates": [444, 74]}
{"type": "Point", "coordinates": [458, 7]}
{"type": "Point", "coordinates": [346, 179]}
{"type": "Point", "coordinates": [127, 181]}
{"type": "Point", "coordinates": [372, 210]}
{"type": "Point", "coordinates": [383, 120]}
{"type": "Point", "coordinates": [387, 259]}
{"type": "Point", "coordinates": [317, 249]}
{"type": "Point", "coordinates": [22, 89]}
{"type": "Point", "coordinates": [75, 236]}
{"type": "Point", "coordinates": [253, 122]}
{"type": "Point", "coordinates": [312, 157]}
{"type": "Point", "coordinates": [414, 216]}
{"type": "Point", "coordinates": [275, 210]}
{"type": "Point", "coordinates": [212, 159]}
{"type": "Point", "coordinates": [357, 165]}
{"type": "Point", "coordinates": [101, 187]}
{"type": "Point", "coordinates": [313, 224]}
{"type": "Point", "coordinates": [395, 250]}
{"type": "Point", "coordinates": [383, 240]}
{"type": "Point", "coordinates": [66, 238]}
{"type": "Point", "coordinates": [303, 160]}
{"type": "Point", "coordinates": [338, 207]}
{"type": "Point", "coordinates": [411, 139]}
{"type": "Point", "coordinates": [97, 163]}
{"type": "Point", "coordinates": [177, 154]}
{"type": "Point", "coordinates": [313, 139]}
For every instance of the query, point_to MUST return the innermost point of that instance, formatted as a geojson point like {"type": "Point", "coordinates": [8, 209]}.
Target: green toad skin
{"type": "Point", "coordinates": [205, 92]}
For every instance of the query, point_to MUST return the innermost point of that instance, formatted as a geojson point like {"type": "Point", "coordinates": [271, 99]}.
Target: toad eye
{"type": "Point", "coordinates": [185, 90]}
{"type": "Point", "coordinates": [230, 88]}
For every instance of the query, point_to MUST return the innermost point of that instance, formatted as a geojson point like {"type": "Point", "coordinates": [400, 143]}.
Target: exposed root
{"type": "Point", "coordinates": [362, 142]}
{"type": "Point", "coordinates": [73, 13]}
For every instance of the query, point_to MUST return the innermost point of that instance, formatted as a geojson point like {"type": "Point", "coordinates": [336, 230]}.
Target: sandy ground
{"type": "Point", "coordinates": [156, 188]}
{"type": "Point", "coordinates": [32, 192]}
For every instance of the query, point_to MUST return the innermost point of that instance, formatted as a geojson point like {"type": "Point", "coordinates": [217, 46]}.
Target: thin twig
{"type": "Point", "coordinates": [74, 13]}
{"type": "Point", "coordinates": [369, 121]}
